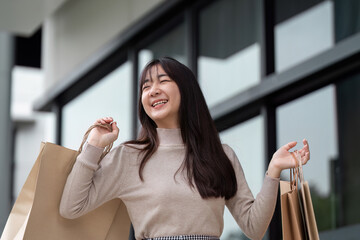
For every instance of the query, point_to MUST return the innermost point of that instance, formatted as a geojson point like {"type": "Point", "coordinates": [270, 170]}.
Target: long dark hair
{"type": "Point", "coordinates": [205, 160]}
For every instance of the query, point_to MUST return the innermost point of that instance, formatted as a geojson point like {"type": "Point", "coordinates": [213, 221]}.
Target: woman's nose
{"type": "Point", "coordinates": [154, 90]}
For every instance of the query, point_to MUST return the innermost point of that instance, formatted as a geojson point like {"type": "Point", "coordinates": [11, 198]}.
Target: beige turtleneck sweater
{"type": "Point", "coordinates": [163, 205]}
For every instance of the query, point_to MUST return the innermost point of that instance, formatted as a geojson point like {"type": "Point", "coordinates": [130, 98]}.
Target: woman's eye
{"type": "Point", "coordinates": [165, 80]}
{"type": "Point", "coordinates": [144, 87]}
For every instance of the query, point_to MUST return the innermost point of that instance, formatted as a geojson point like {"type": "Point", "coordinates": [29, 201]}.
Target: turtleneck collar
{"type": "Point", "coordinates": [169, 136]}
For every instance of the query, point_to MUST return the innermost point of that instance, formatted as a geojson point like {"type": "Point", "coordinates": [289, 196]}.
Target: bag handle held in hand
{"type": "Point", "coordinates": [301, 174]}
{"type": "Point", "coordinates": [294, 175]}
{"type": "Point", "coordinates": [86, 135]}
{"type": "Point", "coordinates": [296, 172]}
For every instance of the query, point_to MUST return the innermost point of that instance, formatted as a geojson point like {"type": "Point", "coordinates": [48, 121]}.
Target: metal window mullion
{"type": "Point", "coordinates": [268, 111]}
{"type": "Point", "coordinates": [192, 39]}
{"type": "Point", "coordinates": [267, 37]}
{"type": "Point", "coordinates": [134, 59]}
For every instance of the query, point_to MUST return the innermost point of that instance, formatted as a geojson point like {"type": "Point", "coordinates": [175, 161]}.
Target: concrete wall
{"type": "Point", "coordinates": [79, 28]}
{"type": "Point", "coordinates": [31, 128]}
{"type": "Point", "coordinates": [25, 17]}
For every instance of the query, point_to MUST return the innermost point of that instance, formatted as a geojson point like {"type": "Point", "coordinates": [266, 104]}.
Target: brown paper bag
{"type": "Point", "coordinates": [297, 213]}
{"type": "Point", "coordinates": [292, 221]}
{"type": "Point", "coordinates": [35, 214]}
{"type": "Point", "coordinates": [307, 207]}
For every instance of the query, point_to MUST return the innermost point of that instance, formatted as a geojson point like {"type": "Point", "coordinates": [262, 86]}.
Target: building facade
{"type": "Point", "coordinates": [272, 71]}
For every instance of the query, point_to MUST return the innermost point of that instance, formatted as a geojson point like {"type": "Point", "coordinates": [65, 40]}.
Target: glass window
{"type": "Point", "coordinates": [171, 44]}
{"type": "Point", "coordinates": [348, 101]}
{"type": "Point", "coordinates": [229, 49]}
{"type": "Point", "coordinates": [347, 18]}
{"type": "Point", "coordinates": [246, 139]}
{"type": "Point", "coordinates": [111, 96]}
{"type": "Point", "coordinates": [314, 117]}
{"type": "Point", "coordinates": [303, 30]}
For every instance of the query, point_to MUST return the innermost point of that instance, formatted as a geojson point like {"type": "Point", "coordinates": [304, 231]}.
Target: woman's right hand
{"type": "Point", "coordinates": [101, 137]}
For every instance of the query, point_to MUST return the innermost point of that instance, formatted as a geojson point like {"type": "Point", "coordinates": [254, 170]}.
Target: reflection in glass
{"type": "Point", "coordinates": [246, 139]}
{"type": "Point", "coordinates": [348, 102]}
{"type": "Point", "coordinates": [171, 44]}
{"type": "Point", "coordinates": [111, 96]}
{"type": "Point", "coordinates": [347, 18]}
{"type": "Point", "coordinates": [314, 117]}
{"type": "Point", "coordinates": [286, 9]}
{"type": "Point", "coordinates": [304, 35]}
{"type": "Point", "coordinates": [229, 54]}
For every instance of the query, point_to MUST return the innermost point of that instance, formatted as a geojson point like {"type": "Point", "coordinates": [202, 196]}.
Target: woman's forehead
{"type": "Point", "coordinates": [155, 71]}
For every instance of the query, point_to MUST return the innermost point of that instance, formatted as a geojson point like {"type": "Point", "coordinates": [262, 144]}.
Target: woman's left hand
{"type": "Point", "coordinates": [283, 159]}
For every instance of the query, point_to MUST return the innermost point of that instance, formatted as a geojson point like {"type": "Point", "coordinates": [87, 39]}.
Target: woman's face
{"type": "Point", "coordinates": [161, 98]}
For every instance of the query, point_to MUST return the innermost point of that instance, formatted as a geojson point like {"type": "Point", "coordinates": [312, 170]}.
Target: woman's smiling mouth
{"type": "Point", "coordinates": [159, 102]}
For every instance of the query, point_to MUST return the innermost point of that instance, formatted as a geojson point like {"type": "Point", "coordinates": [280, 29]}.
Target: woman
{"type": "Point", "coordinates": [176, 178]}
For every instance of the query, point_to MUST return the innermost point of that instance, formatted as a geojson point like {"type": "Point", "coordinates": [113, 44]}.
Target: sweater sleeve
{"type": "Point", "coordinates": [90, 184]}
{"type": "Point", "coordinates": [253, 215]}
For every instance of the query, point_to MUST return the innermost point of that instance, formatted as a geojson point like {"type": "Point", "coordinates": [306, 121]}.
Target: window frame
{"type": "Point", "coordinates": [275, 89]}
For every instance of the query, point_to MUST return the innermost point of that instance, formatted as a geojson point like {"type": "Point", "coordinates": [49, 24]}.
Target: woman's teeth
{"type": "Point", "coordinates": [160, 102]}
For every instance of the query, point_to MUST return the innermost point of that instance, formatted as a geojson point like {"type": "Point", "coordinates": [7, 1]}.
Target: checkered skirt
{"type": "Point", "coordinates": [185, 237]}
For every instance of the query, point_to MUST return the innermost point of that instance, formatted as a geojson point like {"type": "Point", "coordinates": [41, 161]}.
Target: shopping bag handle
{"type": "Point", "coordinates": [294, 175]}
{"type": "Point", "coordinates": [86, 135]}
{"type": "Point", "coordinates": [301, 174]}
{"type": "Point", "coordinates": [295, 172]}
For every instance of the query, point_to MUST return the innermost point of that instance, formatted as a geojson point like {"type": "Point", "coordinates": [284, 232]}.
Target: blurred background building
{"type": "Point", "coordinates": [272, 71]}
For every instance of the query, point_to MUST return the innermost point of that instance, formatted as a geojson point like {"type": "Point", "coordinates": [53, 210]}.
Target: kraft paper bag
{"type": "Point", "coordinates": [35, 214]}
{"type": "Point", "coordinates": [292, 220]}
{"type": "Point", "coordinates": [297, 213]}
{"type": "Point", "coordinates": [307, 207]}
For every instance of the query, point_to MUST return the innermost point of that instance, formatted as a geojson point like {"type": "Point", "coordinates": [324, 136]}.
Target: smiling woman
{"type": "Point", "coordinates": [160, 98]}
{"type": "Point", "coordinates": [176, 177]}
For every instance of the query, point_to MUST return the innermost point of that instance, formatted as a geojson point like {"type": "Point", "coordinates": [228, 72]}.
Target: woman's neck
{"type": "Point", "coordinates": [169, 136]}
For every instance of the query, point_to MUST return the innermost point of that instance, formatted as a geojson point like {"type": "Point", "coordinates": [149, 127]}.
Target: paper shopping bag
{"type": "Point", "coordinates": [291, 217]}
{"type": "Point", "coordinates": [297, 213]}
{"type": "Point", "coordinates": [35, 215]}
{"type": "Point", "coordinates": [18, 218]}
{"type": "Point", "coordinates": [307, 207]}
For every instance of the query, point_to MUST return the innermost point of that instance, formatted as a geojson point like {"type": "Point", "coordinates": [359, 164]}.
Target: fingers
{"type": "Point", "coordinates": [305, 152]}
{"type": "Point", "coordinates": [104, 120]}
{"type": "Point", "coordinates": [290, 145]}
{"type": "Point", "coordinates": [109, 120]}
{"type": "Point", "coordinates": [115, 128]}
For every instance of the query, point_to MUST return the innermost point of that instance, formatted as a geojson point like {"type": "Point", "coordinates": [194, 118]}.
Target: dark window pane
{"type": "Point", "coordinates": [285, 9]}
{"type": "Point", "coordinates": [227, 27]}
{"type": "Point", "coordinates": [347, 18]}
{"type": "Point", "coordinates": [348, 101]}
